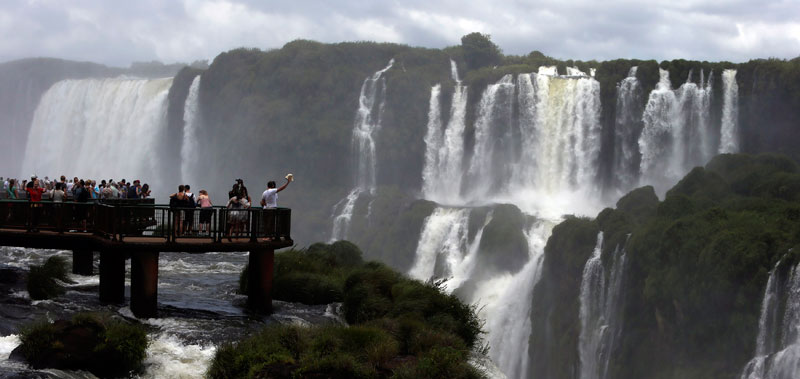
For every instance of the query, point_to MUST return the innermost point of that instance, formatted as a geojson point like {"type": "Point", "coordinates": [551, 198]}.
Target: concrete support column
{"type": "Point", "coordinates": [259, 282]}
{"type": "Point", "coordinates": [82, 262]}
{"type": "Point", "coordinates": [112, 277]}
{"type": "Point", "coordinates": [144, 284]}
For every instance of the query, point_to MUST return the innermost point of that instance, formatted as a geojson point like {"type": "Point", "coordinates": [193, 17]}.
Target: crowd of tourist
{"type": "Point", "coordinates": [36, 189]}
{"type": "Point", "coordinates": [184, 202]}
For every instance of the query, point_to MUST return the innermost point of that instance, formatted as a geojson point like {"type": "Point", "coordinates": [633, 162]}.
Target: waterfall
{"type": "Point", "coordinates": [371, 101]}
{"type": "Point", "coordinates": [443, 183]}
{"type": "Point", "coordinates": [599, 311]}
{"type": "Point", "coordinates": [368, 121]}
{"type": "Point", "coordinates": [729, 142]}
{"type": "Point", "coordinates": [676, 134]}
{"type": "Point", "coordinates": [492, 137]}
{"type": "Point", "coordinates": [559, 121]}
{"type": "Point", "coordinates": [433, 143]}
{"type": "Point", "coordinates": [508, 306]}
{"type": "Point", "coordinates": [627, 127]}
{"type": "Point", "coordinates": [778, 343]}
{"type": "Point", "coordinates": [99, 128]}
{"type": "Point", "coordinates": [189, 153]}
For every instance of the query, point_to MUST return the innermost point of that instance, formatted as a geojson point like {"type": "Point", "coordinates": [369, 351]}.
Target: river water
{"type": "Point", "coordinates": [199, 309]}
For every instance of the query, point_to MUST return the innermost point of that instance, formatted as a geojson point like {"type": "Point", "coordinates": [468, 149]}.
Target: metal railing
{"type": "Point", "coordinates": [119, 220]}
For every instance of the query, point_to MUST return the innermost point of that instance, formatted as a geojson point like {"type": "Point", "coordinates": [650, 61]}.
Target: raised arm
{"type": "Point", "coordinates": [283, 187]}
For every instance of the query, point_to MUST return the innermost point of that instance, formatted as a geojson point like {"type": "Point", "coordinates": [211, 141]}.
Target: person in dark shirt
{"type": "Point", "coordinates": [135, 190]}
{"type": "Point", "coordinates": [82, 196]}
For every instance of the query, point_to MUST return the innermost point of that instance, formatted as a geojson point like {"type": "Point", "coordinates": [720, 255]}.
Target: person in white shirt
{"type": "Point", "coordinates": [269, 199]}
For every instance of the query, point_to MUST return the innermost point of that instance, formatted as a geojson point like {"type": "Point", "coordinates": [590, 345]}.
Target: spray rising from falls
{"type": "Point", "coordinates": [444, 152]}
{"type": "Point", "coordinates": [189, 151]}
{"type": "Point", "coordinates": [371, 101]}
{"type": "Point", "coordinates": [778, 344]}
{"type": "Point", "coordinates": [96, 128]}
{"type": "Point", "coordinates": [599, 312]}
{"type": "Point", "coordinates": [676, 134]}
{"type": "Point", "coordinates": [729, 141]}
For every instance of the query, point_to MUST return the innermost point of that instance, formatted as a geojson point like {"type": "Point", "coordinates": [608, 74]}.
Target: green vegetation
{"type": "Point", "coordinates": [43, 280]}
{"type": "Point", "coordinates": [697, 266]}
{"type": "Point", "coordinates": [398, 327]}
{"type": "Point", "coordinates": [100, 343]}
{"type": "Point", "coordinates": [479, 51]}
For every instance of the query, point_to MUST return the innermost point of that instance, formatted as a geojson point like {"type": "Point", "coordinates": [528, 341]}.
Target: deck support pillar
{"type": "Point", "coordinates": [144, 284]}
{"type": "Point", "coordinates": [112, 277]}
{"type": "Point", "coordinates": [259, 281]}
{"type": "Point", "coordinates": [83, 262]}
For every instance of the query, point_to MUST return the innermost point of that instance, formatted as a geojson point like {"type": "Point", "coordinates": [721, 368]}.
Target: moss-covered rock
{"type": "Point", "coordinates": [503, 245]}
{"type": "Point", "coordinates": [556, 325]}
{"type": "Point", "coordinates": [104, 345]}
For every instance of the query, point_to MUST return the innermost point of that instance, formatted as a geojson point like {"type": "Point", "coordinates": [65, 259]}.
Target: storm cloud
{"type": "Point", "coordinates": [120, 32]}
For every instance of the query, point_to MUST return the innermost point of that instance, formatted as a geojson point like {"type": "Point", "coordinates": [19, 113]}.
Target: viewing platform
{"type": "Point", "coordinates": [139, 229]}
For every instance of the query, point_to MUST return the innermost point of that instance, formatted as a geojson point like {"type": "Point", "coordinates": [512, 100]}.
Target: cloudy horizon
{"type": "Point", "coordinates": [119, 33]}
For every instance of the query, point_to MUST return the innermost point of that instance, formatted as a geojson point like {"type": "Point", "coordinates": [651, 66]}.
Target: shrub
{"type": "Point", "coordinates": [396, 324]}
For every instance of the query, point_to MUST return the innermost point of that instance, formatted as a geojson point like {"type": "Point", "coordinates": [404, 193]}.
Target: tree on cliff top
{"type": "Point", "coordinates": [480, 51]}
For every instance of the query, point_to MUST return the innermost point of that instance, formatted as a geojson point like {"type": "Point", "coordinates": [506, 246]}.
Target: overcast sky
{"type": "Point", "coordinates": [120, 32]}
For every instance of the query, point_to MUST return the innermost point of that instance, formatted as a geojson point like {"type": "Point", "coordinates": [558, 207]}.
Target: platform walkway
{"type": "Point", "coordinates": [139, 230]}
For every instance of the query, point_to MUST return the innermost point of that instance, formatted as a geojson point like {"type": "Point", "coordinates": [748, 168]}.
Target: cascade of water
{"type": "Point", "coordinates": [442, 244]}
{"type": "Point", "coordinates": [599, 311]}
{"type": "Point", "coordinates": [729, 141]}
{"type": "Point", "coordinates": [676, 134]}
{"type": "Point", "coordinates": [627, 127]}
{"type": "Point", "coordinates": [371, 101]}
{"type": "Point", "coordinates": [189, 153]}
{"type": "Point", "coordinates": [778, 344]}
{"type": "Point", "coordinates": [494, 108]}
{"type": "Point", "coordinates": [508, 307]}
{"type": "Point", "coordinates": [451, 155]}
{"type": "Point", "coordinates": [464, 270]}
{"type": "Point", "coordinates": [433, 143]}
{"type": "Point", "coordinates": [560, 128]}
{"type": "Point", "coordinates": [370, 109]}
{"type": "Point", "coordinates": [593, 283]}
{"type": "Point", "coordinates": [96, 128]}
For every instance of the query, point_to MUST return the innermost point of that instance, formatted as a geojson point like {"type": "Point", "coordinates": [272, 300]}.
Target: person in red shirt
{"type": "Point", "coordinates": [35, 196]}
